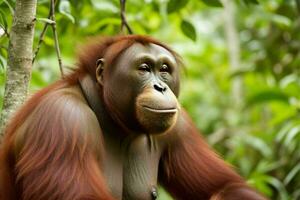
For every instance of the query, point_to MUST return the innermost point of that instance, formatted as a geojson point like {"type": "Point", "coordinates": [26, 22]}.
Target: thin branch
{"type": "Point", "coordinates": [52, 13]}
{"type": "Point", "coordinates": [124, 23]}
{"type": "Point", "coordinates": [41, 38]}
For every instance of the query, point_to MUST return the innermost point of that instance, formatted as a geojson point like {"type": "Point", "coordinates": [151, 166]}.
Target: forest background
{"type": "Point", "coordinates": [241, 82]}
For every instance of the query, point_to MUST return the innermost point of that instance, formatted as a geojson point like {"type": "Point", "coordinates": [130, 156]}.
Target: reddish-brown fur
{"type": "Point", "coordinates": [55, 162]}
{"type": "Point", "coordinates": [12, 171]}
{"type": "Point", "coordinates": [66, 176]}
{"type": "Point", "coordinates": [191, 170]}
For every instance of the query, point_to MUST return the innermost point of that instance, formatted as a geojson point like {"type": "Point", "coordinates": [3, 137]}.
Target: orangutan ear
{"type": "Point", "coordinates": [99, 70]}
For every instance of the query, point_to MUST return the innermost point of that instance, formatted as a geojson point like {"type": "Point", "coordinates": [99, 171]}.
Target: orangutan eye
{"type": "Point", "coordinates": [144, 67]}
{"type": "Point", "coordinates": [164, 68]}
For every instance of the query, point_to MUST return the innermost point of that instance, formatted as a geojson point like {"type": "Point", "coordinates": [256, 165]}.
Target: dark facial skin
{"type": "Point", "coordinates": [140, 91]}
{"type": "Point", "coordinates": [142, 87]}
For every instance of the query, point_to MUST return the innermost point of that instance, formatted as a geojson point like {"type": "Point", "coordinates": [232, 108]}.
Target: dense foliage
{"type": "Point", "coordinates": [261, 134]}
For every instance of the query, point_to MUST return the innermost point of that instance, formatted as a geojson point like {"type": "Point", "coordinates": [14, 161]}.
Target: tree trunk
{"type": "Point", "coordinates": [19, 63]}
{"type": "Point", "coordinates": [233, 50]}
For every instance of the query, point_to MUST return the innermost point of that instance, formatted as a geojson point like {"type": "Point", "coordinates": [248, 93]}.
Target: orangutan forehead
{"type": "Point", "coordinates": [153, 49]}
{"type": "Point", "coordinates": [147, 50]}
{"type": "Point", "coordinates": [136, 49]}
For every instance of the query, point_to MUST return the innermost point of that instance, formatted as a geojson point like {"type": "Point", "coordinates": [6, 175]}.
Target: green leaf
{"type": "Point", "coordinates": [188, 30]}
{"type": "Point", "coordinates": [46, 20]}
{"type": "Point", "coordinates": [2, 63]}
{"type": "Point", "coordinates": [11, 5]}
{"type": "Point", "coordinates": [105, 6]}
{"type": "Point", "coordinates": [176, 5]}
{"type": "Point", "coordinates": [102, 23]}
{"type": "Point", "coordinates": [283, 131]}
{"type": "Point", "coordinates": [258, 144]}
{"type": "Point", "coordinates": [266, 96]}
{"type": "Point", "coordinates": [3, 19]}
{"type": "Point", "coordinates": [214, 3]}
{"type": "Point", "coordinates": [241, 72]}
{"type": "Point", "coordinates": [260, 182]}
{"type": "Point", "coordinates": [291, 174]}
{"type": "Point", "coordinates": [281, 21]}
{"type": "Point", "coordinates": [266, 166]}
{"type": "Point", "coordinates": [291, 135]}
{"type": "Point", "coordinates": [65, 9]}
{"type": "Point", "coordinates": [278, 186]}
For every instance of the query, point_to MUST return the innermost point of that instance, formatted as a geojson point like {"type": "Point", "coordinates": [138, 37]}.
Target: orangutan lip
{"type": "Point", "coordinates": [169, 110]}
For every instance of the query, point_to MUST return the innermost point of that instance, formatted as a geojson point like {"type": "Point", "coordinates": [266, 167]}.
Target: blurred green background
{"type": "Point", "coordinates": [241, 82]}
